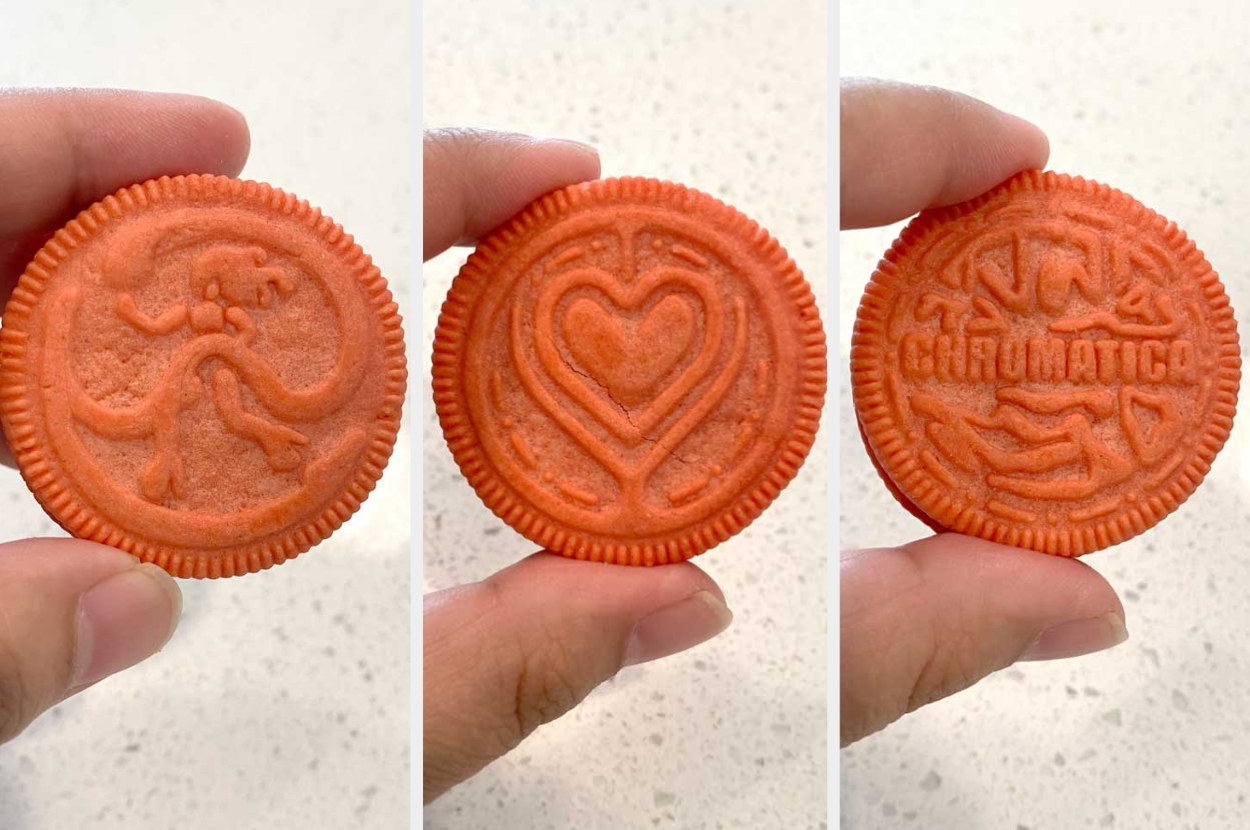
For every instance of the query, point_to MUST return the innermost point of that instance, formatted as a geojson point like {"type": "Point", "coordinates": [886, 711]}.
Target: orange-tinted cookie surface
{"type": "Point", "coordinates": [629, 371]}
{"type": "Point", "coordinates": [204, 372]}
{"type": "Point", "coordinates": [1051, 365]}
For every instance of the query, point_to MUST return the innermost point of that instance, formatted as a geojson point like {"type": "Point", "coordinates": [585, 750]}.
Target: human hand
{"type": "Point", "coordinates": [934, 617]}
{"type": "Point", "coordinates": [74, 612]}
{"type": "Point", "coordinates": [503, 656]}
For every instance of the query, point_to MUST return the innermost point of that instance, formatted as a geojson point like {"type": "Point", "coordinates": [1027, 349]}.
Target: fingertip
{"type": "Point", "coordinates": [574, 160]}
{"type": "Point", "coordinates": [906, 148]}
{"type": "Point", "coordinates": [616, 595]}
{"type": "Point", "coordinates": [236, 138]}
{"type": "Point", "coordinates": [677, 627]}
{"type": "Point", "coordinates": [1076, 638]}
{"type": "Point", "coordinates": [1033, 144]}
{"type": "Point", "coordinates": [514, 172]}
{"type": "Point", "coordinates": [123, 620]}
{"type": "Point", "coordinates": [703, 579]}
{"type": "Point", "coordinates": [475, 180]}
{"type": "Point", "coordinates": [168, 586]}
{"type": "Point", "coordinates": [984, 147]}
{"type": "Point", "coordinates": [224, 139]}
{"type": "Point", "coordinates": [1047, 586]}
{"type": "Point", "coordinates": [675, 578]}
{"type": "Point", "coordinates": [63, 149]}
{"type": "Point", "coordinates": [1010, 145]}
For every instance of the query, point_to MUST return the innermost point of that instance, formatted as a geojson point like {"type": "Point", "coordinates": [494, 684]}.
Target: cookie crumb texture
{"type": "Point", "coordinates": [1051, 365]}
{"type": "Point", "coordinates": [204, 372]}
{"type": "Point", "coordinates": [629, 371]}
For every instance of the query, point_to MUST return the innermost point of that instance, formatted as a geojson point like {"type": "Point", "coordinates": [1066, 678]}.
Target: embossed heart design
{"type": "Point", "coordinates": [629, 361]}
{"type": "Point", "coordinates": [641, 423]}
{"type": "Point", "coordinates": [638, 424]}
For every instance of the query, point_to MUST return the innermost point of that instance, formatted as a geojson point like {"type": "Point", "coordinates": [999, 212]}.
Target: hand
{"type": "Point", "coordinates": [933, 617]}
{"type": "Point", "coordinates": [74, 612]}
{"type": "Point", "coordinates": [521, 648]}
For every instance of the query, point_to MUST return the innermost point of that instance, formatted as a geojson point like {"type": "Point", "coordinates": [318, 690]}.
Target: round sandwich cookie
{"type": "Point", "coordinates": [204, 372]}
{"type": "Point", "coordinates": [1050, 365]}
{"type": "Point", "coordinates": [629, 371]}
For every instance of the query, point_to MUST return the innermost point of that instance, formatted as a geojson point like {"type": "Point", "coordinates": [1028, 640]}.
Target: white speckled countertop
{"type": "Point", "coordinates": [729, 98]}
{"type": "Point", "coordinates": [283, 700]}
{"type": "Point", "coordinates": [1153, 733]}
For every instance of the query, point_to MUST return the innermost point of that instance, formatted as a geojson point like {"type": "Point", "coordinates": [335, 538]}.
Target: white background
{"type": "Point", "coordinates": [729, 98]}
{"type": "Point", "coordinates": [1154, 733]}
{"type": "Point", "coordinates": [283, 700]}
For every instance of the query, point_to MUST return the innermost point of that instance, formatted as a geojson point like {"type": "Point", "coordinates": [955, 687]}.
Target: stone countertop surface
{"type": "Point", "coordinates": [283, 699]}
{"type": "Point", "coordinates": [730, 99]}
{"type": "Point", "coordinates": [1152, 733]}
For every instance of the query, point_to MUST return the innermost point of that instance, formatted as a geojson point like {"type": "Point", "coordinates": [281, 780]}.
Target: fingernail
{"type": "Point", "coordinates": [677, 627]}
{"type": "Point", "coordinates": [1077, 637]}
{"type": "Point", "coordinates": [122, 621]}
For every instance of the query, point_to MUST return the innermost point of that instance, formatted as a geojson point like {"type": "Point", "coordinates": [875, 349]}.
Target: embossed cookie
{"type": "Point", "coordinates": [1051, 365]}
{"type": "Point", "coordinates": [629, 371]}
{"type": "Point", "coordinates": [204, 372]}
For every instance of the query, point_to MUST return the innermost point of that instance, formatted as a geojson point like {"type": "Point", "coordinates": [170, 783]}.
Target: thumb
{"type": "Point", "coordinates": [504, 656]}
{"type": "Point", "coordinates": [932, 618]}
{"type": "Point", "coordinates": [71, 614]}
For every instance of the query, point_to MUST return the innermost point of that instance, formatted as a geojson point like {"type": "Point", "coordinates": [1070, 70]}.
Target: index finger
{"type": "Point", "coordinates": [476, 179]}
{"type": "Point", "coordinates": [61, 150]}
{"type": "Point", "coordinates": [906, 148]}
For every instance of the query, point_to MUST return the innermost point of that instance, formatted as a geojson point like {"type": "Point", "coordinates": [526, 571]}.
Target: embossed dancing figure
{"type": "Point", "coordinates": [230, 280]}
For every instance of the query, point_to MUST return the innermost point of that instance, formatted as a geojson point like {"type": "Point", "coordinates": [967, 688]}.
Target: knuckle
{"type": "Point", "coordinates": [950, 668]}
{"type": "Point", "coordinates": [14, 707]}
{"type": "Point", "coordinates": [548, 670]}
{"type": "Point", "coordinates": [546, 686]}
